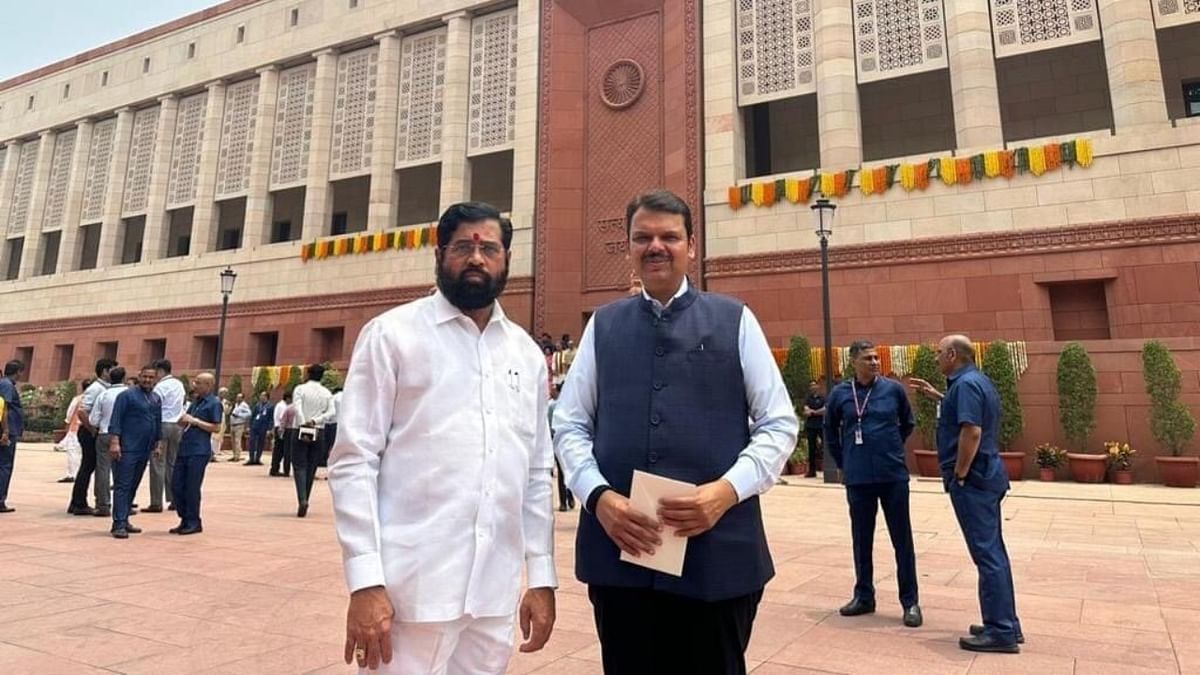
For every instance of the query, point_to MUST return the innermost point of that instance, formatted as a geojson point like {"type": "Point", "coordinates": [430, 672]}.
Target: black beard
{"type": "Point", "coordinates": [469, 295]}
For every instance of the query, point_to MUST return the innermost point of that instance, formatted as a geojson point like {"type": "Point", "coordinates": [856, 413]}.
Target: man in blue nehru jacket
{"type": "Point", "coordinates": [682, 384]}
{"type": "Point", "coordinates": [135, 430]}
{"type": "Point", "coordinates": [867, 420]}
{"type": "Point", "coordinates": [974, 475]}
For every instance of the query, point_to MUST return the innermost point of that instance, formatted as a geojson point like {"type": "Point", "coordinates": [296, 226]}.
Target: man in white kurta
{"type": "Point", "coordinates": [441, 472]}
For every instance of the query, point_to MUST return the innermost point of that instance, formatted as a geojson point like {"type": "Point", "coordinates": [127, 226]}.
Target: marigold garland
{"type": "Point", "coordinates": [369, 242]}
{"type": "Point", "coordinates": [1036, 160]}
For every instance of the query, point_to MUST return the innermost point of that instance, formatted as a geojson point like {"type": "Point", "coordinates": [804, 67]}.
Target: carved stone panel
{"type": "Point", "coordinates": [60, 173]}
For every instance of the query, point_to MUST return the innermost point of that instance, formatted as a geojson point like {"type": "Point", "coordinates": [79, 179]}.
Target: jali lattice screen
{"type": "Point", "coordinates": [774, 50]}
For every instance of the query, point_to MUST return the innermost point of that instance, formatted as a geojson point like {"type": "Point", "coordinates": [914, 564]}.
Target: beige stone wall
{"type": "Point", "coordinates": [1058, 91]}
{"type": "Point", "coordinates": [1133, 176]}
{"type": "Point", "coordinates": [1179, 53]}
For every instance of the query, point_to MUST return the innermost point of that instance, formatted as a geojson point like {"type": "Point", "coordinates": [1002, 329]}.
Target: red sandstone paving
{"type": "Point", "coordinates": [1108, 582]}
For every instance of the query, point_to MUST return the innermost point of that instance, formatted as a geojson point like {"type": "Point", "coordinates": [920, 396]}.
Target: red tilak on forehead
{"type": "Point", "coordinates": [476, 237]}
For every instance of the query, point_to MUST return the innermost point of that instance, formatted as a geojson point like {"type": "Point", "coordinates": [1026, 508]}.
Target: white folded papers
{"type": "Point", "coordinates": [644, 496]}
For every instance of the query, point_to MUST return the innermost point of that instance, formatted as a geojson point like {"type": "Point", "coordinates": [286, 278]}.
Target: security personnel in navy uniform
{"type": "Point", "coordinates": [975, 477]}
{"type": "Point", "coordinates": [665, 382]}
{"type": "Point", "coordinates": [867, 420]}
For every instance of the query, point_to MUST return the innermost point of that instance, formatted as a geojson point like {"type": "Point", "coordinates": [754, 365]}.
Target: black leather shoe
{"type": "Point", "coordinates": [273, 472]}
{"type": "Point", "coordinates": [84, 511]}
{"type": "Point", "coordinates": [132, 529]}
{"type": "Point", "coordinates": [563, 507]}
{"type": "Point", "coordinates": [99, 513]}
{"type": "Point", "coordinates": [171, 506]}
{"type": "Point", "coordinates": [120, 533]}
{"type": "Point", "coordinates": [303, 510]}
{"type": "Point", "coordinates": [912, 617]}
{"type": "Point", "coordinates": [857, 607]}
{"type": "Point", "coordinates": [980, 643]}
{"type": "Point", "coordinates": [5, 508]}
{"type": "Point", "coordinates": [190, 530]}
{"type": "Point", "coordinates": [175, 530]}
{"type": "Point", "coordinates": [64, 479]}
{"type": "Point", "coordinates": [152, 509]}
{"type": "Point", "coordinates": [977, 630]}
{"type": "Point", "coordinates": [133, 505]}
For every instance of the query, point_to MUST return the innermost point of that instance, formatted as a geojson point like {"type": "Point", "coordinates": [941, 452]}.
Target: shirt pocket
{"type": "Point", "coordinates": [520, 389]}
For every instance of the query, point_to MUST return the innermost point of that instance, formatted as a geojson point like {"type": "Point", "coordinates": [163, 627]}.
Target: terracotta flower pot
{"type": "Point", "coordinates": [1014, 463]}
{"type": "Point", "coordinates": [1087, 468]}
{"type": "Point", "coordinates": [1047, 474]}
{"type": "Point", "coordinates": [1123, 476]}
{"type": "Point", "coordinates": [1178, 471]}
{"type": "Point", "coordinates": [927, 463]}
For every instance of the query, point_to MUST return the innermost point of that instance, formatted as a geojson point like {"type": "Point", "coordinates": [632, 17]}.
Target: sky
{"type": "Point", "coordinates": [34, 33]}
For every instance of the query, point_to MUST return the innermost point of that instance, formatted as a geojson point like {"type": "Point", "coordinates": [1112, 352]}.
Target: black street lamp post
{"type": "Point", "coordinates": [228, 276]}
{"type": "Point", "coordinates": [823, 211]}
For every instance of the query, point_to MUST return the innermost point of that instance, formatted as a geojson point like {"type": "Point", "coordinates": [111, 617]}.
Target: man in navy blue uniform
{"type": "Point", "coordinates": [202, 419]}
{"type": "Point", "coordinates": [664, 382]}
{"type": "Point", "coordinates": [135, 426]}
{"type": "Point", "coordinates": [260, 426]}
{"type": "Point", "coordinates": [975, 477]}
{"type": "Point", "coordinates": [867, 420]}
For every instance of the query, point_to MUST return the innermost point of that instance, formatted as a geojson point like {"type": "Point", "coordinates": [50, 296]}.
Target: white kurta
{"type": "Point", "coordinates": [441, 472]}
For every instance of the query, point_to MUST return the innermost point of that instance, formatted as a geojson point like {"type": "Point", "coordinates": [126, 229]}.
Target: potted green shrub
{"type": "Point", "coordinates": [998, 366]}
{"type": "Point", "coordinates": [1077, 393]}
{"type": "Point", "coordinates": [1120, 458]}
{"type": "Point", "coordinates": [1049, 458]}
{"type": "Point", "coordinates": [926, 411]}
{"type": "Point", "coordinates": [1171, 422]}
{"type": "Point", "coordinates": [797, 463]}
{"type": "Point", "coordinates": [261, 383]}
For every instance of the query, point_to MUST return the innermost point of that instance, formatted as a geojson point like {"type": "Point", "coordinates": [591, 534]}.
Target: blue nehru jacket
{"type": "Point", "coordinates": [887, 420]}
{"type": "Point", "coordinates": [196, 441]}
{"type": "Point", "coordinates": [136, 418]}
{"type": "Point", "coordinates": [972, 399]}
{"type": "Point", "coordinates": [670, 401]}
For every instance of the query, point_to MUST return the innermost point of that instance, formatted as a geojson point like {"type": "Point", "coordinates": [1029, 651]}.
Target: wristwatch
{"type": "Point", "coordinates": [594, 498]}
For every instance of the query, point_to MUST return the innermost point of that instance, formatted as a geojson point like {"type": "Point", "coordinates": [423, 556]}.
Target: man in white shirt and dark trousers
{"type": "Point", "coordinates": [281, 455]}
{"type": "Point", "coordinates": [100, 417]}
{"type": "Point", "coordinates": [313, 403]}
{"type": "Point", "coordinates": [664, 382]}
{"type": "Point", "coordinates": [162, 467]}
{"type": "Point", "coordinates": [441, 473]}
{"type": "Point", "coordinates": [87, 439]}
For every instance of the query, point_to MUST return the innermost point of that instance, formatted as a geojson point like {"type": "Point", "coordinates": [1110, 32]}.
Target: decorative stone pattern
{"type": "Point", "coordinates": [354, 113]}
{"type": "Point", "coordinates": [898, 37]}
{"type": "Point", "coordinates": [492, 112]}
{"type": "Point", "coordinates": [18, 216]}
{"type": "Point", "coordinates": [237, 138]}
{"type": "Point", "coordinates": [185, 161]}
{"type": "Point", "coordinates": [95, 183]}
{"type": "Point", "coordinates": [1175, 12]}
{"type": "Point", "coordinates": [774, 50]}
{"type": "Point", "coordinates": [60, 174]}
{"type": "Point", "coordinates": [293, 126]}
{"type": "Point", "coordinates": [1023, 26]}
{"type": "Point", "coordinates": [141, 161]}
{"type": "Point", "coordinates": [422, 84]}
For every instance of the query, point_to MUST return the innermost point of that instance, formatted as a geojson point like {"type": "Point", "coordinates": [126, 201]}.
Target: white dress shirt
{"type": "Point", "coordinates": [100, 416]}
{"type": "Point", "coordinates": [332, 416]}
{"type": "Point", "coordinates": [170, 390]}
{"type": "Point", "coordinates": [312, 401]}
{"type": "Point", "coordinates": [280, 408]}
{"type": "Point", "coordinates": [241, 414]}
{"type": "Point", "coordinates": [773, 423]}
{"type": "Point", "coordinates": [441, 472]}
{"type": "Point", "coordinates": [92, 394]}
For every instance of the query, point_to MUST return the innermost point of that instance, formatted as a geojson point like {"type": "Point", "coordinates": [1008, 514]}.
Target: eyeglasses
{"type": "Point", "coordinates": [465, 249]}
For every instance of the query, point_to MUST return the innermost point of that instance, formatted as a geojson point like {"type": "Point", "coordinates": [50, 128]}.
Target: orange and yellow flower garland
{"type": "Point", "coordinates": [1036, 160]}
{"type": "Point", "coordinates": [369, 242]}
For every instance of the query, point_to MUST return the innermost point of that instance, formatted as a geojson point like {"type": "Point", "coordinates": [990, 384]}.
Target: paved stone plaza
{"type": "Point", "coordinates": [1108, 581]}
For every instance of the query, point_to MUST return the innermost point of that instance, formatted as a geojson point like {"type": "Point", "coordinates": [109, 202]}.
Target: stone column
{"type": "Point", "coordinates": [973, 75]}
{"type": "Point", "coordinates": [1134, 72]}
{"type": "Point", "coordinates": [257, 228]}
{"type": "Point", "coordinates": [318, 194]}
{"type": "Point", "coordinates": [110, 226]}
{"type": "Point", "coordinates": [724, 139]}
{"type": "Point", "coordinates": [204, 218]}
{"type": "Point", "coordinates": [456, 96]}
{"type": "Point", "coordinates": [8, 185]}
{"type": "Point", "coordinates": [31, 257]}
{"type": "Point", "coordinates": [381, 211]}
{"type": "Point", "coordinates": [156, 245]}
{"type": "Point", "coordinates": [68, 248]}
{"type": "Point", "coordinates": [524, 189]}
{"type": "Point", "coordinates": [837, 84]}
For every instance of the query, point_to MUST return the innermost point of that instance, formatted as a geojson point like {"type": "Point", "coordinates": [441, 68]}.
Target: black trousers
{"type": "Point", "coordinates": [566, 500]}
{"type": "Point", "coordinates": [865, 501]}
{"type": "Point", "coordinates": [816, 443]}
{"type": "Point", "coordinates": [87, 466]}
{"type": "Point", "coordinates": [305, 457]}
{"type": "Point", "coordinates": [281, 452]}
{"type": "Point", "coordinates": [647, 632]}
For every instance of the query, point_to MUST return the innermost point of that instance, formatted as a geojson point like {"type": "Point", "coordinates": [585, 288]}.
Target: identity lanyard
{"type": "Point", "coordinates": [859, 410]}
